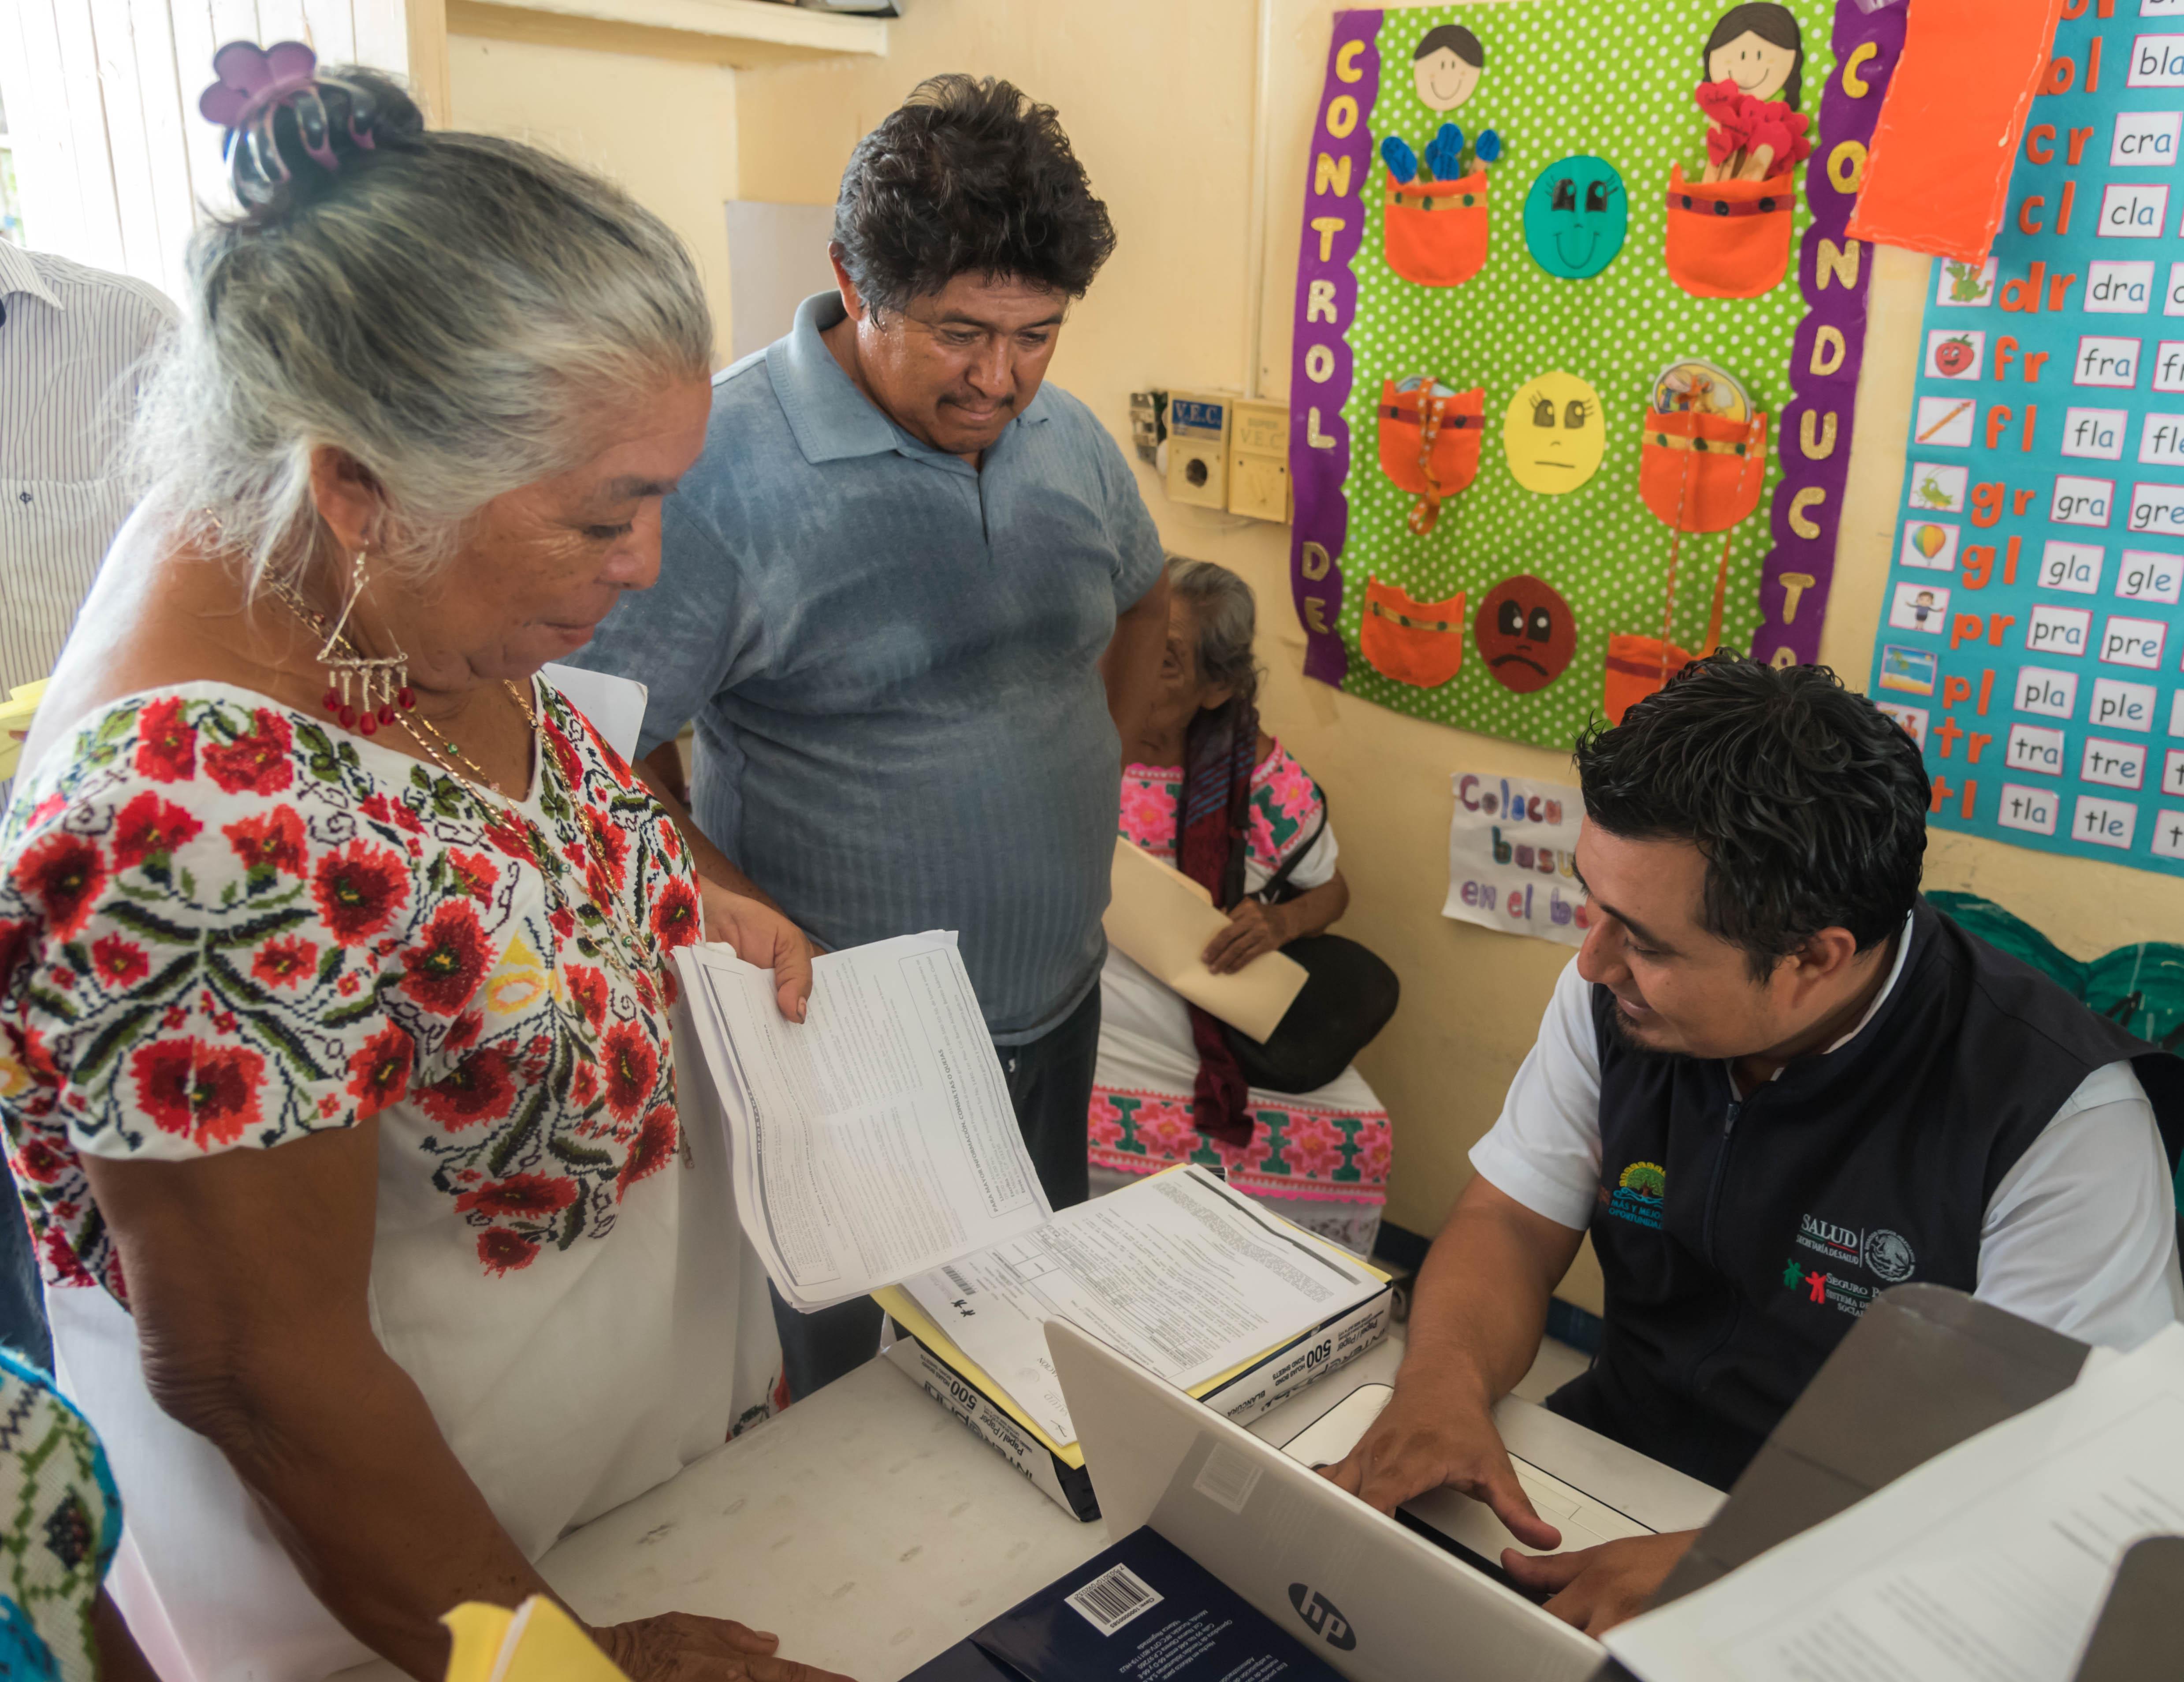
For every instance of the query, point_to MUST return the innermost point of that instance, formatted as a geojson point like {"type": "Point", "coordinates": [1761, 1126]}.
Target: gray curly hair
{"type": "Point", "coordinates": [451, 310]}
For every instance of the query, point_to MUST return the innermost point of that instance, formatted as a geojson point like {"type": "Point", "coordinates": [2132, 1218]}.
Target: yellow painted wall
{"type": "Point", "coordinates": [664, 128]}
{"type": "Point", "coordinates": [1158, 98]}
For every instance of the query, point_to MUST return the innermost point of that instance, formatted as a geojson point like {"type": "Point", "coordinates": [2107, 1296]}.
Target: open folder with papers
{"type": "Point", "coordinates": [1987, 1563]}
{"type": "Point", "coordinates": [1185, 1276]}
{"type": "Point", "coordinates": [1162, 920]}
{"type": "Point", "coordinates": [875, 1140]}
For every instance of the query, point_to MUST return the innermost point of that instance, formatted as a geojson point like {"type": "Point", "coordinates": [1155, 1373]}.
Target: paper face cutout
{"type": "Point", "coordinates": [1553, 434]}
{"type": "Point", "coordinates": [1575, 216]}
{"type": "Point", "coordinates": [1760, 48]}
{"type": "Point", "coordinates": [1446, 66]}
{"type": "Point", "coordinates": [1756, 67]}
{"type": "Point", "coordinates": [1524, 634]}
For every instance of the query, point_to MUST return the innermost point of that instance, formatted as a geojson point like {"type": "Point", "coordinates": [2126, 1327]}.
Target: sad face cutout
{"type": "Point", "coordinates": [1524, 634]}
{"type": "Point", "coordinates": [1575, 216]}
{"type": "Point", "coordinates": [1553, 434]}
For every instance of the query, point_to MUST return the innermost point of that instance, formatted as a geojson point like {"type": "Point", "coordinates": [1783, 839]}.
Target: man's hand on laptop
{"type": "Point", "coordinates": [1595, 1588]}
{"type": "Point", "coordinates": [1438, 1430]}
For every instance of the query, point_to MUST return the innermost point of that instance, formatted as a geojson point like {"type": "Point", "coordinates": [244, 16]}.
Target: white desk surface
{"type": "Point", "coordinates": [865, 1526]}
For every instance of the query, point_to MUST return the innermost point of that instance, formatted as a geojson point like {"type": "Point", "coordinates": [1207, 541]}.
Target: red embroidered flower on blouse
{"type": "Point", "coordinates": [588, 988]}
{"type": "Point", "coordinates": [62, 875]}
{"type": "Point", "coordinates": [675, 916]}
{"type": "Point", "coordinates": [272, 841]}
{"type": "Point", "coordinates": [286, 962]}
{"type": "Point", "coordinates": [150, 827]}
{"type": "Point", "coordinates": [379, 1073]}
{"type": "Point", "coordinates": [630, 1065]}
{"type": "Point", "coordinates": [474, 874]}
{"type": "Point", "coordinates": [479, 1089]}
{"type": "Point", "coordinates": [444, 970]}
{"type": "Point", "coordinates": [119, 960]}
{"type": "Point", "coordinates": [166, 743]}
{"type": "Point", "coordinates": [259, 763]}
{"type": "Point", "coordinates": [502, 1251]}
{"type": "Point", "coordinates": [654, 1148]}
{"type": "Point", "coordinates": [62, 1260]}
{"type": "Point", "coordinates": [541, 1196]}
{"type": "Point", "coordinates": [510, 837]}
{"type": "Point", "coordinates": [609, 846]}
{"type": "Point", "coordinates": [359, 889]}
{"type": "Point", "coordinates": [38, 1161]}
{"type": "Point", "coordinates": [206, 1093]}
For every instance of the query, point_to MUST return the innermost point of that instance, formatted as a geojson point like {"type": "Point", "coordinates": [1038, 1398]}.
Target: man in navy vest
{"type": "Point", "coordinates": [1774, 1082]}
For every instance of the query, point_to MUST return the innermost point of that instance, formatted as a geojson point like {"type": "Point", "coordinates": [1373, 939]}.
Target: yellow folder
{"type": "Point", "coordinates": [537, 1642]}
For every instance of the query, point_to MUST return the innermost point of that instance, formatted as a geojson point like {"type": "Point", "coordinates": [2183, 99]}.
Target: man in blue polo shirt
{"type": "Point", "coordinates": [914, 602]}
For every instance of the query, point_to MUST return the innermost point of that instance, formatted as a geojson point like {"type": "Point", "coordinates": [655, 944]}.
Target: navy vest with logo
{"type": "Point", "coordinates": [1741, 1240]}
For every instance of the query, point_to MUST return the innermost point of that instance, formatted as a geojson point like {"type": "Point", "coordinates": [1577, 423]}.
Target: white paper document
{"type": "Point", "coordinates": [875, 1140]}
{"type": "Point", "coordinates": [1989, 1563]}
{"type": "Point", "coordinates": [1180, 1272]}
{"type": "Point", "coordinates": [615, 705]}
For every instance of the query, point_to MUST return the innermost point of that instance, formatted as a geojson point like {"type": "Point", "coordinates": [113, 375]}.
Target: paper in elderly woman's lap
{"type": "Point", "coordinates": [556, 1262]}
{"type": "Point", "coordinates": [1321, 1158]}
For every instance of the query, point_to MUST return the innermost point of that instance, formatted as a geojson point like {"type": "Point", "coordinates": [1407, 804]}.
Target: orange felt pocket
{"type": "Point", "coordinates": [1420, 643]}
{"type": "Point", "coordinates": [1434, 232]}
{"type": "Point", "coordinates": [1701, 472]}
{"type": "Point", "coordinates": [1637, 666]}
{"type": "Point", "coordinates": [1429, 442]}
{"type": "Point", "coordinates": [1730, 239]}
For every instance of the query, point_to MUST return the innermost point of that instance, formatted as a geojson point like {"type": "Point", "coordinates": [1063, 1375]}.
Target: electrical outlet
{"type": "Point", "coordinates": [1198, 448]}
{"type": "Point", "coordinates": [1259, 460]}
{"type": "Point", "coordinates": [1147, 428]}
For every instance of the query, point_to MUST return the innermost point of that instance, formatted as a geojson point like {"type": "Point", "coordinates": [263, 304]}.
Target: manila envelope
{"type": "Point", "coordinates": [1159, 917]}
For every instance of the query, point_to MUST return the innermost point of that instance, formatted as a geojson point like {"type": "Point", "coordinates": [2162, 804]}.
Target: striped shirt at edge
{"type": "Point", "coordinates": [73, 343]}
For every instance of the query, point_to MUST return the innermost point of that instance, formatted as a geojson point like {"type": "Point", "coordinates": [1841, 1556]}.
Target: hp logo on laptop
{"type": "Point", "coordinates": [1322, 1617]}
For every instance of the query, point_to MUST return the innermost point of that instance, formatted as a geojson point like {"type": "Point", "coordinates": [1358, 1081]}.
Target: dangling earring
{"type": "Point", "coordinates": [379, 685]}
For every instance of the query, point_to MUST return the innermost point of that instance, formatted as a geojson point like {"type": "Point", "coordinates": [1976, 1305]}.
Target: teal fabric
{"type": "Point", "coordinates": [2140, 988]}
{"type": "Point", "coordinates": [60, 1521]}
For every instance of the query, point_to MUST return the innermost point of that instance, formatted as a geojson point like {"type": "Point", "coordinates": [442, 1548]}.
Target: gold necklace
{"type": "Point", "coordinates": [457, 763]}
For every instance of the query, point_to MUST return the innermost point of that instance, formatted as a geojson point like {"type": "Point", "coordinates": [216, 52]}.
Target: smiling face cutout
{"type": "Point", "coordinates": [1575, 216]}
{"type": "Point", "coordinates": [1446, 66]}
{"type": "Point", "coordinates": [1757, 65]}
{"type": "Point", "coordinates": [1524, 634]}
{"type": "Point", "coordinates": [1444, 80]}
{"type": "Point", "coordinates": [1553, 434]}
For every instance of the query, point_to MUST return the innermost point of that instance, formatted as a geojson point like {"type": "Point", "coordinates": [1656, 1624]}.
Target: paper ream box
{"type": "Point", "coordinates": [933, 1361]}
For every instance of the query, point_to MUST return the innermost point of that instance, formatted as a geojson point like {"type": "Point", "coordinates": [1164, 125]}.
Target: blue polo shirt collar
{"type": "Point", "coordinates": [830, 419]}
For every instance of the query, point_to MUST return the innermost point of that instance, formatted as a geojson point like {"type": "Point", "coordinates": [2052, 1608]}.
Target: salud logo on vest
{"type": "Point", "coordinates": [1637, 1194]}
{"type": "Point", "coordinates": [1886, 1255]}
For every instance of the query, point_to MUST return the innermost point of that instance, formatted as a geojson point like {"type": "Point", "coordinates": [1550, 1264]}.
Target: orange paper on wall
{"type": "Point", "coordinates": [1938, 175]}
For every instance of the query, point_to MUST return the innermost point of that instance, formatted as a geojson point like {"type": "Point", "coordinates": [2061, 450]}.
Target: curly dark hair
{"type": "Point", "coordinates": [1808, 802]}
{"type": "Point", "coordinates": [968, 176]}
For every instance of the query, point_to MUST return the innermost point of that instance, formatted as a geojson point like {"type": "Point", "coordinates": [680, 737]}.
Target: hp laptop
{"type": "Point", "coordinates": [1379, 1602]}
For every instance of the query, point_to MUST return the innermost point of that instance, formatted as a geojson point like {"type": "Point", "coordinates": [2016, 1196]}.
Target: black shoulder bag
{"type": "Point", "coordinates": [1349, 995]}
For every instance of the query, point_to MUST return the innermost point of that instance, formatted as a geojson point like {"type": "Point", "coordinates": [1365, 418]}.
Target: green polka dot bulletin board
{"type": "Point", "coordinates": [1510, 238]}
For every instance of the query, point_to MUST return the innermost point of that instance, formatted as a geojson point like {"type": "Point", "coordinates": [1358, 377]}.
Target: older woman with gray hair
{"type": "Point", "coordinates": [334, 943]}
{"type": "Point", "coordinates": [1205, 789]}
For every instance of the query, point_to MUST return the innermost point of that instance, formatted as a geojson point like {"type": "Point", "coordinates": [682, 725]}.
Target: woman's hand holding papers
{"type": "Point", "coordinates": [681, 1646]}
{"type": "Point", "coordinates": [1595, 1588]}
{"type": "Point", "coordinates": [763, 936]}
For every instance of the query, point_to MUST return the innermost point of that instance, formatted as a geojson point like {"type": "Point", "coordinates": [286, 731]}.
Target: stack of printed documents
{"type": "Point", "coordinates": [875, 1151]}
